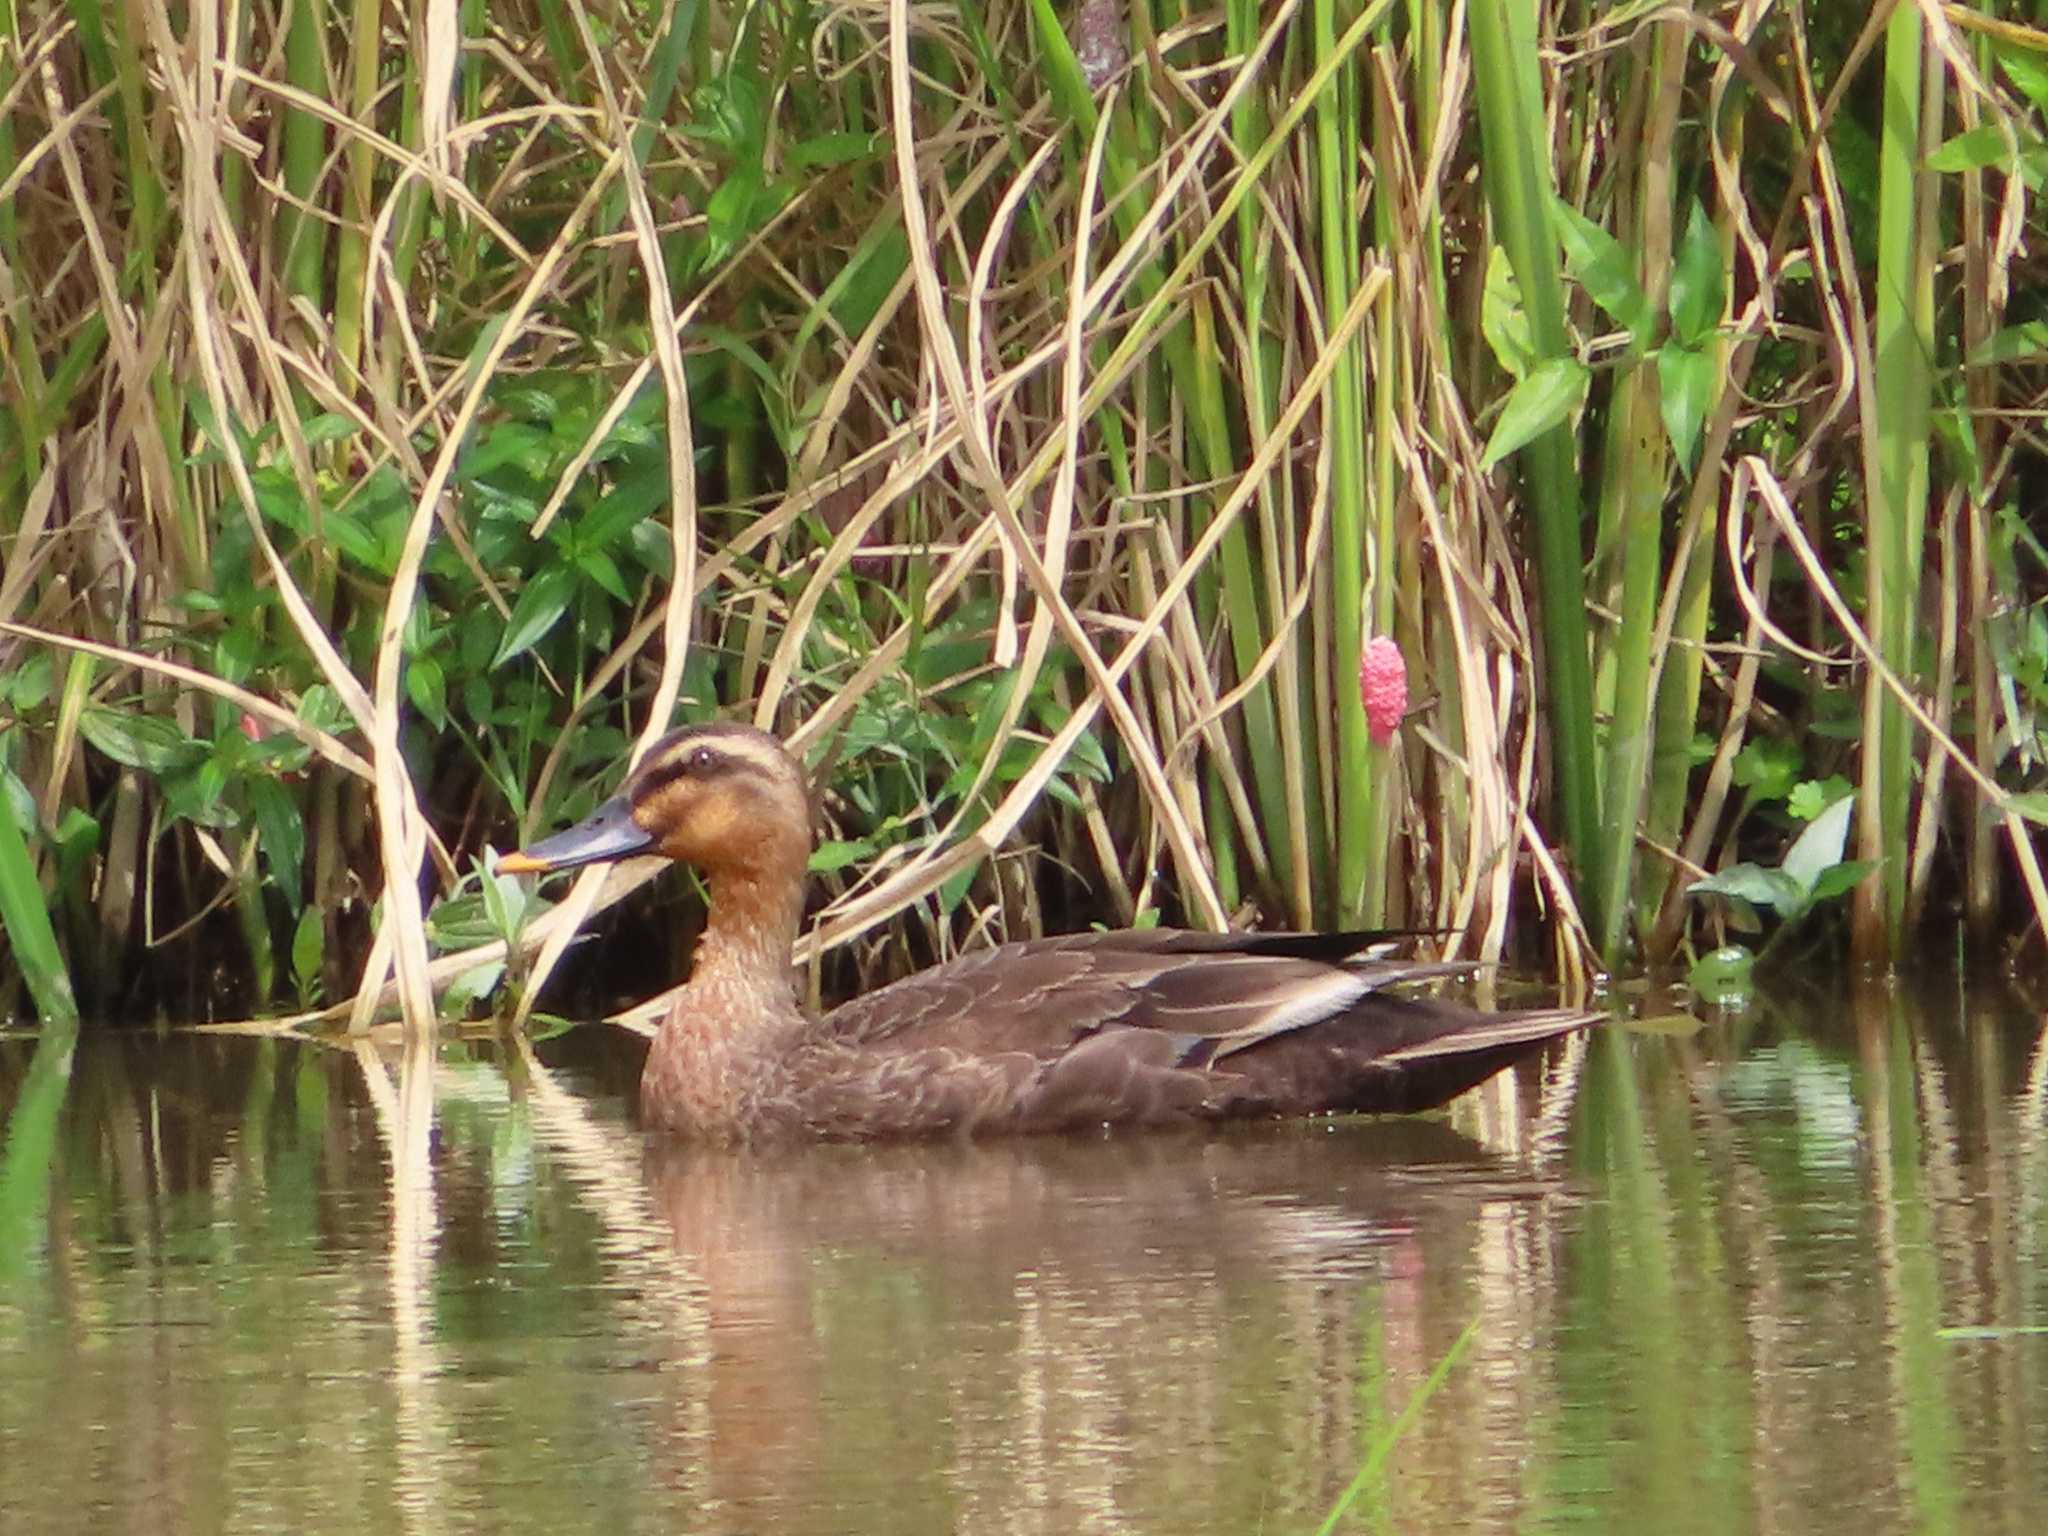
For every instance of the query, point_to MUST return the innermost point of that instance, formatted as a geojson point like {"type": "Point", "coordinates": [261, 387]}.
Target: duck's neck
{"type": "Point", "coordinates": [744, 953]}
{"type": "Point", "coordinates": [715, 1068]}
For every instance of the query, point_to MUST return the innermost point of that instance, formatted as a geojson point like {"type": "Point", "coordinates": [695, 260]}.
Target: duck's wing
{"type": "Point", "coordinates": [1156, 1025]}
{"type": "Point", "coordinates": [1044, 995]}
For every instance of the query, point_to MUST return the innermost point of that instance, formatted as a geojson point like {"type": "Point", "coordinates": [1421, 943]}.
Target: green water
{"type": "Point", "coordinates": [1778, 1275]}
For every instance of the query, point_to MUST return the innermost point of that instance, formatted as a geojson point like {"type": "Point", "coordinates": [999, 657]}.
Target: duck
{"type": "Point", "coordinates": [1126, 1028]}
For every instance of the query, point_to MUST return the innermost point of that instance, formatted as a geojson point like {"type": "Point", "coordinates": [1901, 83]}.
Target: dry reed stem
{"type": "Point", "coordinates": [1752, 472]}
{"type": "Point", "coordinates": [848, 919]}
{"type": "Point", "coordinates": [270, 713]}
{"type": "Point", "coordinates": [968, 408]}
{"type": "Point", "coordinates": [681, 601]}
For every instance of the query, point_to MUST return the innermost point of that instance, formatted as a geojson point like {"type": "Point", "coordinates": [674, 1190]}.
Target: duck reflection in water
{"type": "Point", "coordinates": [1138, 1027]}
{"type": "Point", "coordinates": [1012, 1330]}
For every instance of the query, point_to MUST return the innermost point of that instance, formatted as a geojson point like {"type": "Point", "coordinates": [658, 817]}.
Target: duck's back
{"type": "Point", "coordinates": [1144, 1026]}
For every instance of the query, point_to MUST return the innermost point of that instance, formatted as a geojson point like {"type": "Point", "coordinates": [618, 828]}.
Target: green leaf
{"type": "Point", "coordinates": [545, 600]}
{"type": "Point", "coordinates": [29, 686]}
{"type": "Point", "coordinates": [1545, 399]}
{"type": "Point", "coordinates": [1768, 767]}
{"type": "Point", "coordinates": [2013, 344]}
{"type": "Point", "coordinates": [1977, 150]}
{"type": "Point", "coordinates": [833, 149]}
{"type": "Point", "coordinates": [309, 950]}
{"type": "Point", "coordinates": [1820, 846]}
{"type": "Point", "coordinates": [25, 916]}
{"type": "Point", "coordinates": [329, 427]}
{"type": "Point", "coordinates": [2026, 68]}
{"type": "Point", "coordinates": [953, 890]}
{"type": "Point", "coordinates": [361, 543]}
{"type": "Point", "coordinates": [148, 742]}
{"type": "Point", "coordinates": [1503, 321]}
{"type": "Point", "coordinates": [282, 833]}
{"type": "Point", "coordinates": [1723, 976]}
{"type": "Point", "coordinates": [1771, 889]}
{"type": "Point", "coordinates": [858, 293]}
{"type": "Point", "coordinates": [460, 922]}
{"type": "Point", "coordinates": [505, 901]}
{"type": "Point", "coordinates": [1685, 381]}
{"type": "Point", "coordinates": [508, 442]}
{"type": "Point", "coordinates": [603, 571]}
{"type": "Point", "coordinates": [1813, 796]}
{"type": "Point", "coordinates": [1698, 281]}
{"type": "Point", "coordinates": [472, 985]}
{"type": "Point", "coordinates": [1842, 878]}
{"type": "Point", "coordinates": [427, 686]}
{"type": "Point", "coordinates": [2032, 806]}
{"type": "Point", "coordinates": [1604, 267]}
{"type": "Point", "coordinates": [833, 855]}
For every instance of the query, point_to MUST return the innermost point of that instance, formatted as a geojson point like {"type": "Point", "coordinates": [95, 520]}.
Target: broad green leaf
{"type": "Point", "coordinates": [1503, 321]}
{"type": "Point", "coordinates": [1604, 267]}
{"type": "Point", "coordinates": [603, 571]}
{"type": "Point", "coordinates": [505, 900]}
{"type": "Point", "coordinates": [282, 834]}
{"type": "Point", "coordinates": [1770, 889]}
{"type": "Point", "coordinates": [1769, 767]}
{"type": "Point", "coordinates": [472, 985]}
{"type": "Point", "coordinates": [25, 916]}
{"type": "Point", "coordinates": [1685, 382]}
{"type": "Point", "coordinates": [1699, 283]}
{"type": "Point", "coordinates": [507, 442]}
{"type": "Point", "coordinates": [147, 742]}
{"type": "Point", "coordinates": [2027, 68]}
{"type": "Point", "coordinates": [1724, 976]}
{"type": "Point", "coordinates": [953, 890]}
{"type": "Point", "coordinates": [2032, 806]}
{"type": "Point", "coordinates": [1813, 796]}
{"type": "Point", "coordinates": [545, 600]}
{"type": "Point", "coordinates": [2012, 344]}
{"type": "Point", "coordinates": [309, 951]}
{"type": "Point", "coordinates": [1841, 879]}
{"type": "Point", "coordinates": [1977, 150]}
{"type": "Point", "coordinates": [460, 922]}
{"type": "Point", "coordinates": [833, 855]}
{"type": "Point", "coordinates": [1545, 399]}
{"type": "Point", "coordinates": [427, 686]}
{"type": "Point", "coordinates": [329, 427]}
{"type": "Point", "coordinates": [1820, 846]}
{"type": "Point", "coordinates": [28, 687]}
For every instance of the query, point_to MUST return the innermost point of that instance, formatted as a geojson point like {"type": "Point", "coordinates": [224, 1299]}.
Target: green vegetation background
{"type": "Point", "coordinates": [1031, 414]}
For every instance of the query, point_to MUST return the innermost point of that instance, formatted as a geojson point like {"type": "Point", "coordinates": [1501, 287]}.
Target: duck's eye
{"type": "Point", "coordinates": [703, 760]}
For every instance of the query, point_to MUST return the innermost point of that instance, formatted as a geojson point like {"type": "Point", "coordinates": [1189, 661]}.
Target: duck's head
{"type": "Point", "coordinates": [725, 798]}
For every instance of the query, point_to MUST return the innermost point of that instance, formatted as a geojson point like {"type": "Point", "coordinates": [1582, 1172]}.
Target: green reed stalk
{"type": "Point", "coordinates": [28, 1150]}
{"type": "Point", "coordinates": [1392, 563]}
{"type": "Point", "coordinates": [302, 244]}
{"type": "Point", "coordinates": [25, 916]}
{"type": "Point", "coordinates": [1431, 634]}
{"type": "Point", "coordinates": [1501, 36]}
{"type": "Point", "coordinates": [1193, 364]}
{"type": "Point", "coordinates": [352, 241]}
{"type": "Point", "coordinates": [1902, 394]}
{"type": "Point", "coordinates": [1299, 855]}
{"type": "Point", "coordinates": [1384, 1441]}
{"type": "Point", "coordinates": [1336, 152]}
{"type": "Point", "coordinates": [1636, 469]}
{"type": "Point", "coordinates": [20, 437]}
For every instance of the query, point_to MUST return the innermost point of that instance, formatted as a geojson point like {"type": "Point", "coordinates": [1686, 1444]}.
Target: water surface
{"type": "Point", "coordinates": [1782, 1274]}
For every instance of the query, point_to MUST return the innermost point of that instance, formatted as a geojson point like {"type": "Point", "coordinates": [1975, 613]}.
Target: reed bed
{"type": "Point", "coordinates": [1032, 414]}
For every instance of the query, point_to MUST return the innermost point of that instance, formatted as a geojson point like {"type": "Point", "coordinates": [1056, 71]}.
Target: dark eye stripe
{"type": "Point", "coordinates": [700, 762]}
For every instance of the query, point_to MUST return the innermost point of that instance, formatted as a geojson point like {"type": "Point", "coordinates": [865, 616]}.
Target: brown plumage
{"type": "Point", "coordinates": [1140, 1027]}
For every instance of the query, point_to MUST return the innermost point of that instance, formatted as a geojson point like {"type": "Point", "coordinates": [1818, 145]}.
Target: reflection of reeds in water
{"type": "Point", "coordinates": [1713, 1294]}
{"type": "Point", "coordinates": [405, 1123]}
